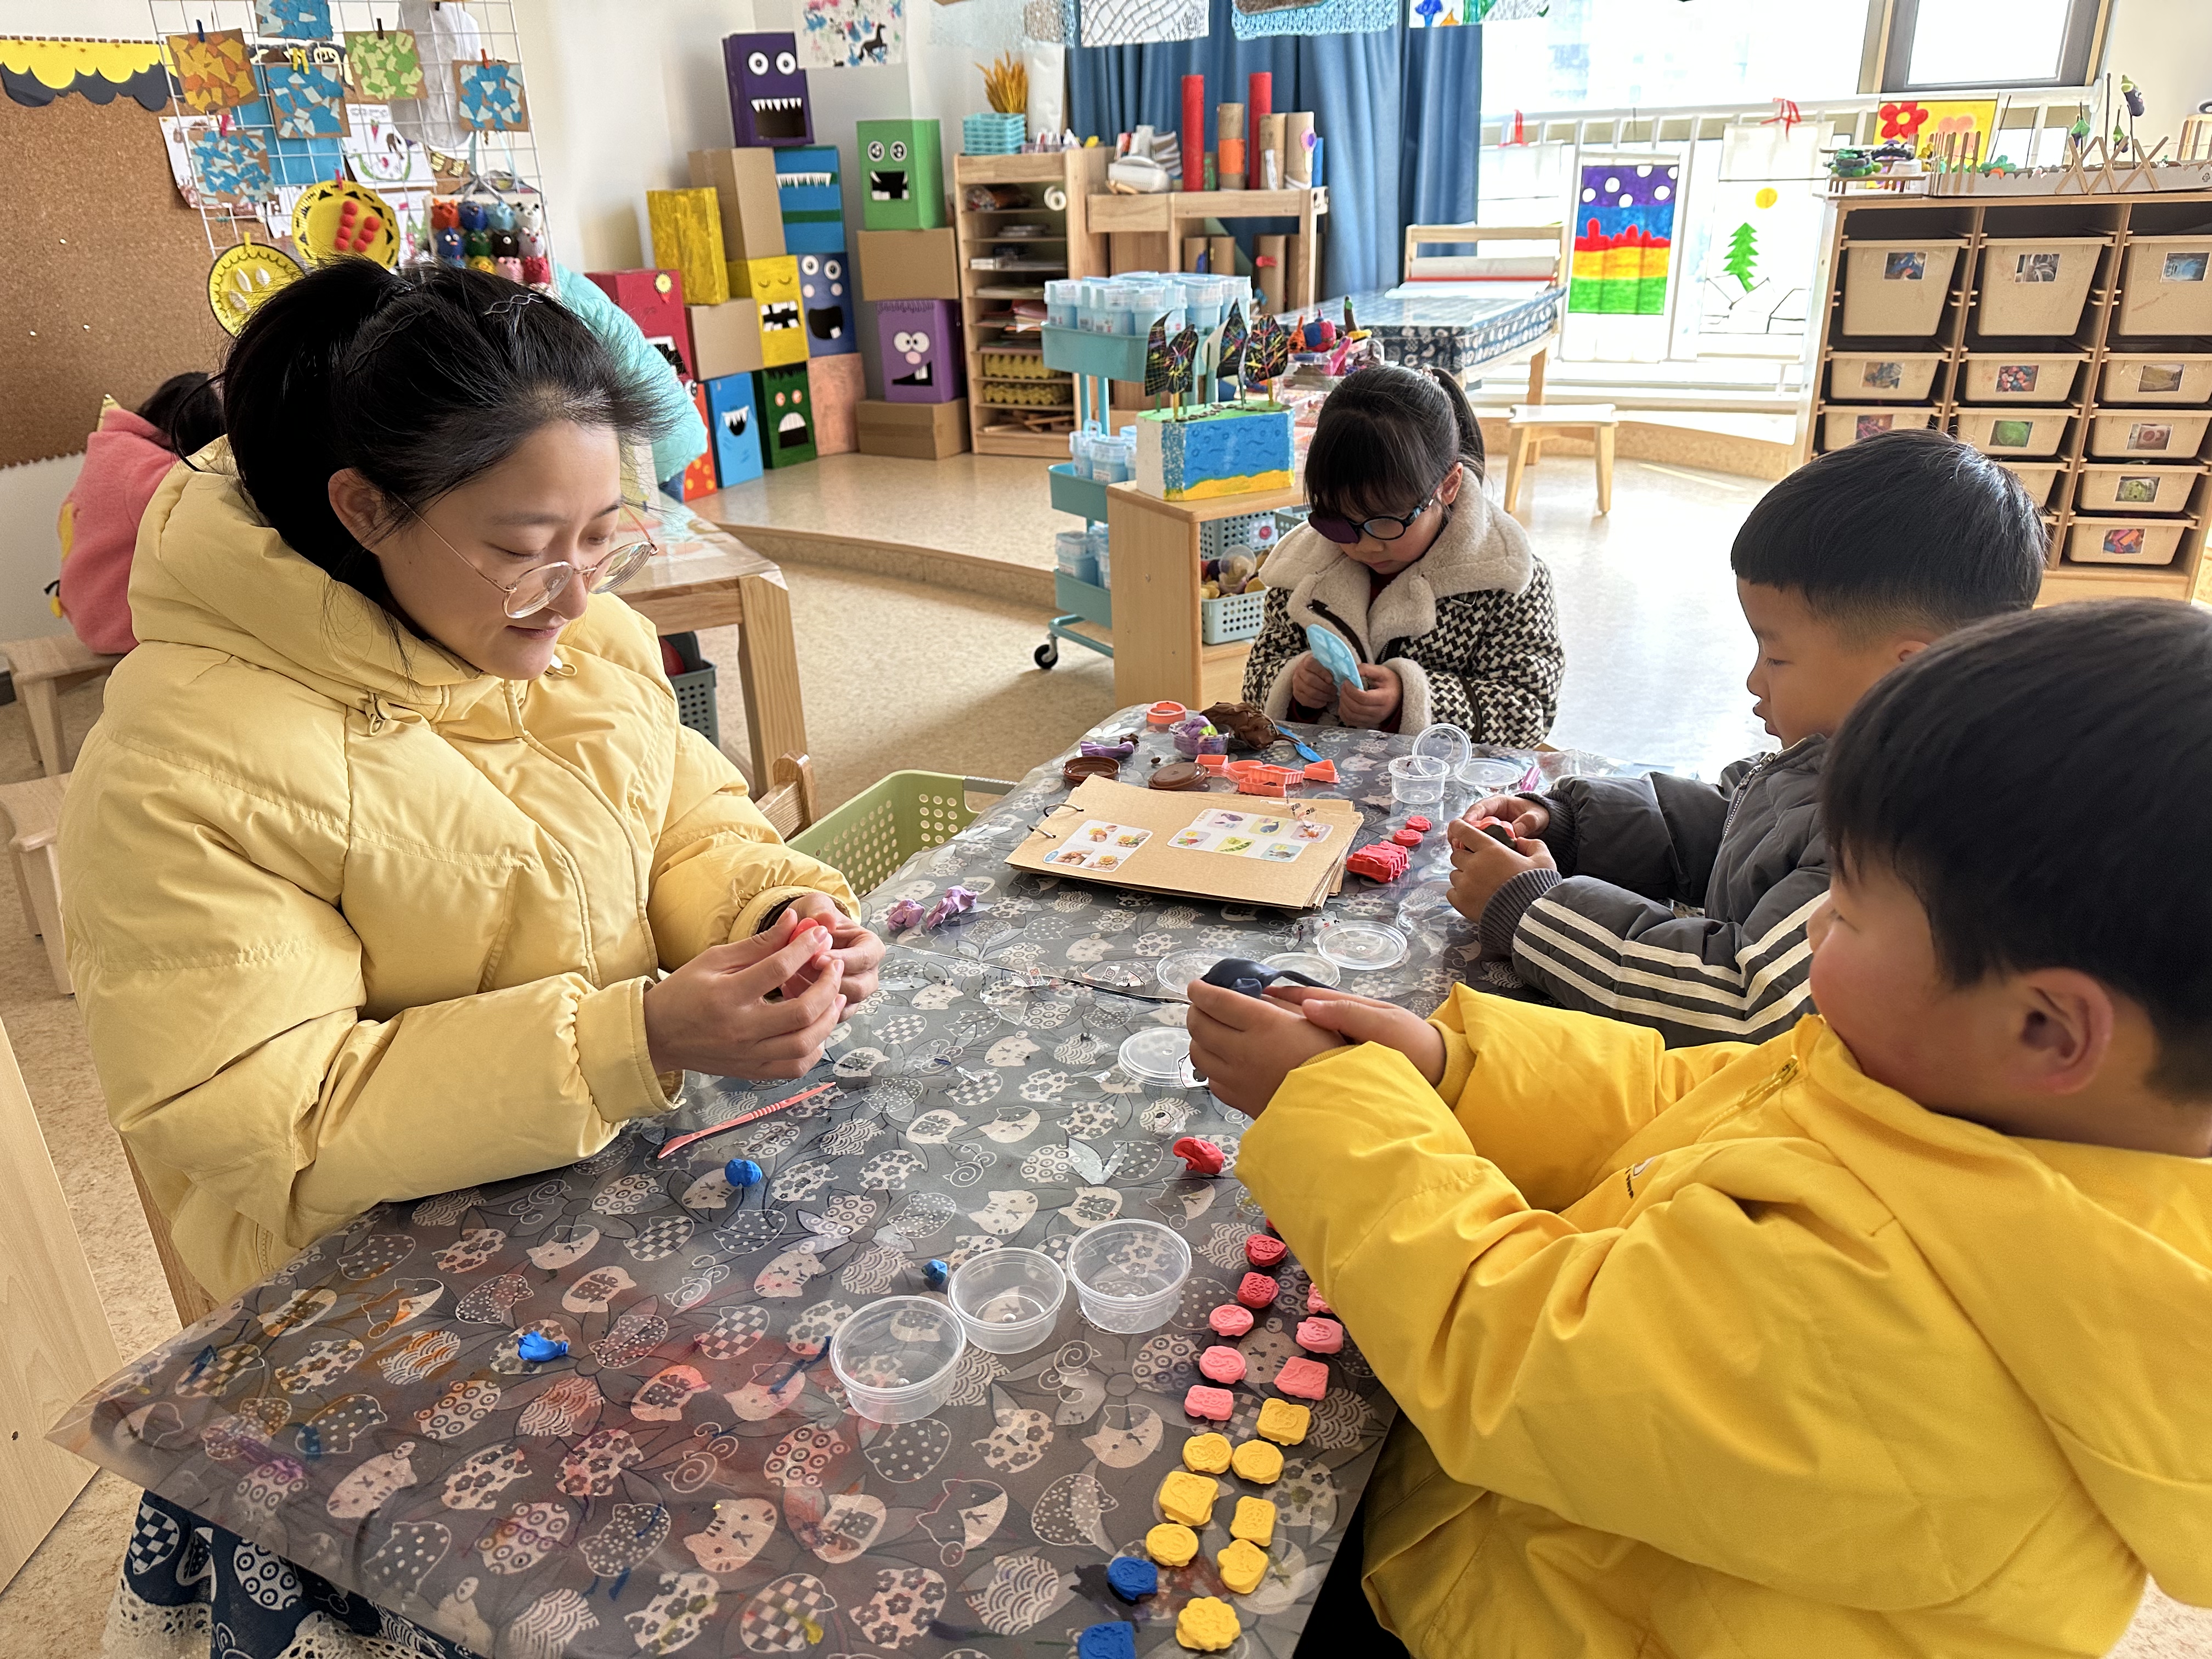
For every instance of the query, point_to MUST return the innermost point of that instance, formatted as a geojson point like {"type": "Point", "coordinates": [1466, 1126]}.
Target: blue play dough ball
{"type": "Point", "coordinates": [1132, 1579]}
{"type": "Point", "coordinates": [743, 1172]}
{"type": "Point", "coordinates": [534, 1347]}
{"type": "Point", "coordinates": [1107, 1642]}
{"type": "Point", "coordinates": [936, 1274]}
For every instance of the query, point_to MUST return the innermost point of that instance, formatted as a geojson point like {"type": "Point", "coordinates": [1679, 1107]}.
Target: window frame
{"type": "Point", "coordinates": [1891, 25]}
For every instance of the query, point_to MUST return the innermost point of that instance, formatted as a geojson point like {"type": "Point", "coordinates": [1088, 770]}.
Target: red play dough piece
{"type": "Point", "coordinates": [1258, 1291]}
{"type": "Point", "coordinates": [1308, 1379]}
{"type": "Point", "coordinates": [1215, 1405]}
{"type": "Point", "coordinates": [1408, 837]}
{"type": "Point", "coordinates": [1230, 1320]}
{"type": "Point", "coordinates": [1321, 1335]}
{"type": "Point", "coordinates": [1315, 1304]}
{"type": "Point", "coordinates": [1262, 1251]}
{"type": "Point", "coordinates": [1222, 1364]}
{"type": "Point", "coordinates": [1415, 821]}
{"type": "Point", "coordinates": [1202, 1156]}
{"type": "Point", "coordinates": [1380, 860]}
{"type": "Point", "coordinates": [805, 922]}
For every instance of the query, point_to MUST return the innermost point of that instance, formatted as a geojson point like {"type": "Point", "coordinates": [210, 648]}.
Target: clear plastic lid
{"type": "Point", "coordinates": [1491, 774]}
{"type": "Point", "coordinates": [1362, 945]}
{"type": "Point", "coordinates": [1445, 742]}
{"type": "Point", "coordinates": [1176, 971]}
{"type": "Point", "coordinates": [1160, 1058]}
{"type": "Point", "coordinates": [1311, 963]}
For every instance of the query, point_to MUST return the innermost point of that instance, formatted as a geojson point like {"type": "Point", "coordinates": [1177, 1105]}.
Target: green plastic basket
{"type": "Point", "coordinates": [885, 825]}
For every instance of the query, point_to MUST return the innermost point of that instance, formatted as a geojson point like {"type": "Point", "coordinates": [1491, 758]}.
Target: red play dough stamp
{"type": "Point", "coordinates": [1216, 1405]}
{"type": "Point", "coordinates": [1229, 1319]}
{"type": "Point", "coordinates": [1221, 1365]}
{"type": "Point", "coordinates": [1314, 1304]}
{"type": "Point", "coordinates": [1257, 1290]}
{"type": "Point", "coordinates": [1321, 1336]}
{"type": "Point", "coordinates": [1203, 1157]}
{"type": "Point", "coordinates": [1262, 1251]}
{"type": "Point", "coordinates": [1416, 821]}
{"type": "Point", "coordinates": [1408, 837]}
{"type": "Point", "coordinates": [1308, 1379]}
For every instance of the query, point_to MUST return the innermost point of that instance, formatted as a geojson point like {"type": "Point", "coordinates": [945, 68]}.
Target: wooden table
{"type": "Point", "coordinates": [1148, 230]}
{"type": "Point", "coordinates": [711, 579]}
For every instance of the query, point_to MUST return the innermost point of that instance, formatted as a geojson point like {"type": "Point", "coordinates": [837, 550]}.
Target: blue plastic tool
{"type": "Point", "coordinates": [1306, 751]}
{"type": "Point", "coordinates": [536, 1348]}
{"type": "Point", "coordinates": [1132, 1578]}
{"type": "Point", "coordinates": [1331, 652]}
{"type": "Point", "coordinates": [742, 1172]}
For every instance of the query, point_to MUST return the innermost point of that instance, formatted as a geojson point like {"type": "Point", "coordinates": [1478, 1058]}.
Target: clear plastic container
{"type": "Point", "coordinates": [1417, 780]}
{"type": "Point", "coordinates": [1491, 775]}
{"type": "Point", "coordinates": [1061, 297]}
{"type": "Point", "coordinates": [1129, 1275]}
{"type": "Point", "coordinates": [1176, 971]}
{"type": "Point", "coordinates": [1008, 1300]}
{"type": "Point", "coordinates": [1364, 947]}
{"type": "Point", "coordinates": [1159, 1056]}
{"type": "Point", "coordinates": [896, 1357]}
{"type": "Point", "coordinates": [1311, 963]}
{"type": "Point", "coordinates": [1445, 742]}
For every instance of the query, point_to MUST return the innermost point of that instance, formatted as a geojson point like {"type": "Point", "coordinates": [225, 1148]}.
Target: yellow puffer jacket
{"type": "Point", "coordinates": [1732, 1350]}
{"type": "Point", "coordinates": [350, 921]}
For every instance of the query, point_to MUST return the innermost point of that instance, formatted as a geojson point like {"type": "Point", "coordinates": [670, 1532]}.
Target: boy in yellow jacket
{"type": "Point", "coordinates": [1888, 1336]}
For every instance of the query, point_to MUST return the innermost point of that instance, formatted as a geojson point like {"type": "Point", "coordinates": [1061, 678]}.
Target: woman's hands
{"type": "Point", "coordinates": [856, 947]}
{"type": "Point", "coordinates": [1246, 1046]}
{"type": "Point", "coordinates": [713, 1015]}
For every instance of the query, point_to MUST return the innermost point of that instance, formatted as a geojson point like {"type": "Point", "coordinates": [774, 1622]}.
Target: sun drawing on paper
{"type": "Point", "coordinates": [844, 33]}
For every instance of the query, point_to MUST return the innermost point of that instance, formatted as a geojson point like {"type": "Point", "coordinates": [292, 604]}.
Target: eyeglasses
{"type": "Point", "coordinates": [542, 584]}
{"type": "Point", "coordinates": [1346, 533]}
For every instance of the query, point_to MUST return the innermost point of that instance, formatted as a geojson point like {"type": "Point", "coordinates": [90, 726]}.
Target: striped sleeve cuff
{"type": "Point", "coordinates": [1501, 917]}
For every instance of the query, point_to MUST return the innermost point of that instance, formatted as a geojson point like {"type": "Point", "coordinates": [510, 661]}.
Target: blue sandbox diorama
{"type": "Point", "coordinates": [1231, 449]}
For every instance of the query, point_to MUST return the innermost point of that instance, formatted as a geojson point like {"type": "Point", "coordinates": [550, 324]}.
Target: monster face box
{"type": "Point", "coordinates": [903, 164]}
{"type": "Point", "coordinates": [769, 104]}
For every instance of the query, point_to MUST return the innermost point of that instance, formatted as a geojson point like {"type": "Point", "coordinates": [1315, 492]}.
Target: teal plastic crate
{"type": "Point", "coordinates": [886, 824]}
{"type": "Point", "coordinates": [1080, 598]}
{"type": "Point", "coordinates": [1086, 497]}
{"type": "Point", "coordinates": [1116, 356]}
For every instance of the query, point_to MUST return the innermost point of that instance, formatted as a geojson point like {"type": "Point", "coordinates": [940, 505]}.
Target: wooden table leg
{"type": "Point", "coordinates": [1604, 435]}
{"type": "Point", "coordinates": [42, 707]}
{"type": "Point", "coordinates": [767, 674]}
{"type": "Point", "coordinates": [1517, 458]}
{"type": "Point", "coordinates": [1537, 365]}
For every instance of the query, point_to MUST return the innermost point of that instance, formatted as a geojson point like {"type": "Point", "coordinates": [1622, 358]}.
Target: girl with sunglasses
{"type": "Point", "coordinates": [1433, 589]}
{"type": "Point", "coordinates": [389, 870]}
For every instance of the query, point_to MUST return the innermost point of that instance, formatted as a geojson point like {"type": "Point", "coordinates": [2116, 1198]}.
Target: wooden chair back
{"type": "Point", "coordinates": [1546, 259]}
{"type": "Point", "coordinates": [193, 1301]}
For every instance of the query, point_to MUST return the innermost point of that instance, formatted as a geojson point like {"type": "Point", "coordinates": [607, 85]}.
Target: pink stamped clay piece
{"type": "Point", "coordinates": [1216, 1405]}
{"type": "Point", "coordinates": [1262, 1251]}
{"type": "Point", "coordinates": [1321, 1336]}
{"type": "Point", "coordinates": [1314, 1304]}
{"type": "Point", "coordinates": [1308, 1379]}
{"type": "Point", "coordinates": [1230, 1319]}
{"type": "Point", "coordinates": [1256, 1291]}
{"type": "Point", "coordinates": [1222, 1364]}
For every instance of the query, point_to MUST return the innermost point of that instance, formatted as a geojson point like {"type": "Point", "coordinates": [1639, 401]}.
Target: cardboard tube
{"type": "Point", "coordinates": [1229, 144]}
{"type": "Point", "coordinates": [1193, 250]}
{"type": "Point", "coordinates": [1220, 256]}
{"type": "Point", "coordinates": [1297, 154]}
{"type": "Point", "coordinates": [1268, 277]}
{"type": "Point", "coordinates": [1260, 95]}
{"type": "Point", "coordinates": [1267, 158]}
{"type": "Point", "coordinates": [1193, 130]}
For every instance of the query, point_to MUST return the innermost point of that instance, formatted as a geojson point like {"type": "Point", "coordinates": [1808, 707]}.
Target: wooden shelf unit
{"type": "Point", "coordinates": [1071, 244]}
{"type": "Point", "coordinates": [1147, 231]}
{"type": "Point", "coordinates": [2096, 336]}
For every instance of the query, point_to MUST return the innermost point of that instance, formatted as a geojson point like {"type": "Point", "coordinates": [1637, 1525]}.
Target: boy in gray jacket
{"type": "Point", "coordinates": [1682, 905]}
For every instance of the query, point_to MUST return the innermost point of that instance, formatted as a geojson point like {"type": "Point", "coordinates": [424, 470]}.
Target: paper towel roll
{"type": "Point", "coordinates": [1271, 171]}
{"type": "Point", "coordinates": [1229, 145]}
{"type": "Point", "coordinates": [1297, 149]}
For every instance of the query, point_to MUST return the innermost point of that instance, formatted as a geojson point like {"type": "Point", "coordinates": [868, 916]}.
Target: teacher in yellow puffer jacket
{"type": "Point", "coordinates": [389, 868]}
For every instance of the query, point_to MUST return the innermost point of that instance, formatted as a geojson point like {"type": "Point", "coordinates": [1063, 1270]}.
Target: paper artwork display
{"type": "Point", "coordinates": [292, 20]}
{"type": "Point", "coordinates": [490, 96]}
{"type": "Point", "coordinates": [845, 33]}
{"type": "Point", "coordinates": [1101, 846]}
{"type": "Point", "coordinates": [1624, 238]}
{"type": "Point", "coordinates": [1276, 838]}
{"type": "Point", "coordinates": [383, 64]}
{"type": "Point", "coordinates": [380, 153]}
{"type": "Point", "coordinates": [306, 101]}
{"type": "Point", "coordinates": [1448, 13]}
{"type": "Point", "coordinates": [213, 70]}
{"type": "Point", "coordinates": [1050, 23]}
{"type": "Point", "coordinates": [231, 167]}
{"type": "Point", "coordinates": [1135, 22]}
{"type": "Point", "coordinates": [1251, 20]}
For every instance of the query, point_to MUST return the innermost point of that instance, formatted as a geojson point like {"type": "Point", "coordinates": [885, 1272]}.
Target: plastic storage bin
{"type": "Point", "coordinates": [990, 132]}
{"type": "Point", "coordinates": [2036, 284]}
{"type": "Point", "coordinates": [888, 822]}
{"type": "Point", "coordinates": [1129, 1275]}
{"type": "Point", "coordinates": [2039, 479]}
{"type": "Point", "coordinates": [1008, 1300]}
{"type": "Point", "coordinates": [2155, 378]}
{"type": "Point", "coordinates": [2015, 431]}
{"type": "Point", "coordinates": [1881, 376]}
{"type": "Point", "coordinates": [2141, 488]}
{"type": "Point", "coordinates": [1897, 287]}
{"type": "Point", "coordinates": [1232, 617]}
{"type": "Point", "coordinates": [2125, 541]}
{"type": "Point", "coordinates": [1847, 425]}
{"type": "Point", "coordinates": [2169, 286]}
{"type": "Point", "coordinates": [2005, 377]}
{"type": "Point", "coordinates": [2146, 435]}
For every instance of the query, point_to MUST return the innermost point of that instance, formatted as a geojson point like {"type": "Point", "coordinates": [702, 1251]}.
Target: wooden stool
{"type": "Point", "coordinates": [1530, 422]}
{"type": "Point", "coordinates": [33, 815]}
{"type": "Point", "coordinates": [789, 806]}
{"type": "Point", "coordinates": [42, 670]}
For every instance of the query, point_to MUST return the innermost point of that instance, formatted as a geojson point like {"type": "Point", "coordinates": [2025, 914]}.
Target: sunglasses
{"type": "Point", "coordinates": [1383, 527]}
{"type": "Point", "coordinates": [542, 584]}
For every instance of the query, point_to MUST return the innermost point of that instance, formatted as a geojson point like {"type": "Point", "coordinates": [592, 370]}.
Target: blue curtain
{"type": "Point", "coordinates": [1397, 111]}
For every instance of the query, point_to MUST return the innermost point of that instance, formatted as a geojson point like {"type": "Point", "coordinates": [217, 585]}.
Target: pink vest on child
{"type": "Point", "coordinates": [124, 462]}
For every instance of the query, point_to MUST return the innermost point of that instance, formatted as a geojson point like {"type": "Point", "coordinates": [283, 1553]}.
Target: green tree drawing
{"type": "Point", "coordinates": [1743, 251]}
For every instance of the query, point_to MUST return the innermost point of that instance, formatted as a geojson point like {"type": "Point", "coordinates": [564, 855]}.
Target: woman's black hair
{"type": "Point", "coordinates": [419, 380]}
{"type": "Point", "coordinates": [1386, 438]}
{"type": "Point", "coordinates": [187, 410]}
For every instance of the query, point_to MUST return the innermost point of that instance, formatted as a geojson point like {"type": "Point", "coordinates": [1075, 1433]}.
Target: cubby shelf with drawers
{"type": "Point", "coordinates": [2069, 338]}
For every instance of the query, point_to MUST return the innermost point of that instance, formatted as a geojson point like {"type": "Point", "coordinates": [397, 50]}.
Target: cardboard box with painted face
{"type": "Point", "coordinates": [786, 415]}
{"type": "Point", "coordinates": [654, 299]}
{"type": "Point", "coordinates": [734, 427]}
{"type": "Point", "coordinates": [773, 284]}
{"type": "Point", "coordinates": [699, 476]}
{"type": "Point", "coordinates": [769, 104]}
{"type": "Point", "coordinates": [904, 165]}
{"type": "Point", "coordinates": [920, 341]}
{"type": "Point", "coordinates": [825, 299]}
{"type": "Point", "coordinates": [809, 189]}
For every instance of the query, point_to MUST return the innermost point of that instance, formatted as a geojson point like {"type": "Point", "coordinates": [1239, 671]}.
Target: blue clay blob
{"type": "Point", "coordinates": [537, 1348]}
{"type": "Point", "coordinates": [1107, 1642]}
{"type": "Point", "coordinates": [743, 1172]}
{"type": "Point", "coordinates": [1132, 1579]}
{"type": "Point", "coordinates": [936, 1274]}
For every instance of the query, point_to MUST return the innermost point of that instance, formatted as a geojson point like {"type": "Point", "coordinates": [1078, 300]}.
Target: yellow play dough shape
{"type": "Point", "coordinates": [1208, 1624]}
{"type": "Point", "coordinates": [1257, 1462]}
{"type": "Point", "coordinates": [1207, 1454]}
{"type": "Point", "coordinates": [1282, 1422]}
{"type": "Point", "coordinates": [1242, 1565]}
{"type": "Point", "coordinates": [1188, 1497]}
{"type": "Point", "coordinates": [1256, 1520]}
{"type": "Point", "coordinates": [1171, 1546]}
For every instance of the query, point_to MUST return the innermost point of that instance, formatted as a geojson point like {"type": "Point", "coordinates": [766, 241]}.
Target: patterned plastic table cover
{"type": "Point", "coordinates": [1454, 331]}
{"type": "Point", "coordinates": [689, 1477]}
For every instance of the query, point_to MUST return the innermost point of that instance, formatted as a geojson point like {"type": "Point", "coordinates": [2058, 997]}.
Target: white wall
{"type": "Point", "coordinates": [2165, 47]}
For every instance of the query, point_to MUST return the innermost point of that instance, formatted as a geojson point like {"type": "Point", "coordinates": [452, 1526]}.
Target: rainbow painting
{"type": "Point", "coordinates": [1624, 237]}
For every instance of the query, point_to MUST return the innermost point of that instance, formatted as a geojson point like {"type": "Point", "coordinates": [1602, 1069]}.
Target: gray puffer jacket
{"type": "Point", "coordinates": [1614, 930]}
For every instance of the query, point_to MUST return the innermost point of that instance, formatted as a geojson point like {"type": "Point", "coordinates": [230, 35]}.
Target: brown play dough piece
{"type": "Point", "coordinates": [1089, 766]}
{"type": "Point", "coordinates": [1179, 775]}
{"type": "Point", "coordinates": [1246, 723]}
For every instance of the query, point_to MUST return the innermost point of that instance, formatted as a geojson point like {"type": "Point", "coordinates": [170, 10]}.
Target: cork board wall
{"type": "Point", "coordinates": [103, 271]}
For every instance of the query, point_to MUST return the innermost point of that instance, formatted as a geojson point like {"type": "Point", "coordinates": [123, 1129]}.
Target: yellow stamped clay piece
{"type": "Point", "coordinates": [1208, 1624]}
{"type": "Point", "coordinates": [1242, 1565]}
{"type": "Point", "coordinates": [1207, 1454]}
{"type": "Point", "coordinates": [1282, 1422]}
{"type": "Point", "coordinates": [1171, 1546]}
{"type": "Point", "coordinates": [1256, 1520]}
{"type": "Point", "coordinates": [1188, 1497]}
{"type": "Point", "coordinates": [1258, 1461]}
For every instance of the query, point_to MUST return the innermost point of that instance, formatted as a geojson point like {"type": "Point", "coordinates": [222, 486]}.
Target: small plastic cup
{"type": "Point", "coordinates": [895, 1358]}
{"type": "Point", "coordinates": [1008, 1300]}
{"type": "Point", "coordinates": [1417, 781]}
{"type": "Point", "coordinates": [1129, 1275]}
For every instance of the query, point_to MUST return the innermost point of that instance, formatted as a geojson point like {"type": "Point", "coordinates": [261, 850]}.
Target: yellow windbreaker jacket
{"type": "Point", "coordinates": [1731, 1351]}
{"type": "Point", "coordinates": [350, 921]}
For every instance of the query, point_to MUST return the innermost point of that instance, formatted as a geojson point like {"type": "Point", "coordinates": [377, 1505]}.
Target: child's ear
{"type": "Point", "coordinates": [1907, 648]}
{"type": "Point", "coordinates": [1447, 491]}
{"type": "Point", "coordinates": [2064, 1023]}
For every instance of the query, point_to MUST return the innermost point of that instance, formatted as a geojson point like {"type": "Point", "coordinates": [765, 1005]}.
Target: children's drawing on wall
{"type": "Point", "coordinates": [844, 33]}
{"type": "Point", "coordinates": [1755, 266]}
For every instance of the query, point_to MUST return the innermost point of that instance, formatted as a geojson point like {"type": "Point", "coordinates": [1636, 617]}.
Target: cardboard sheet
{"type": "Point", "coordinates": [1243, 848]}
